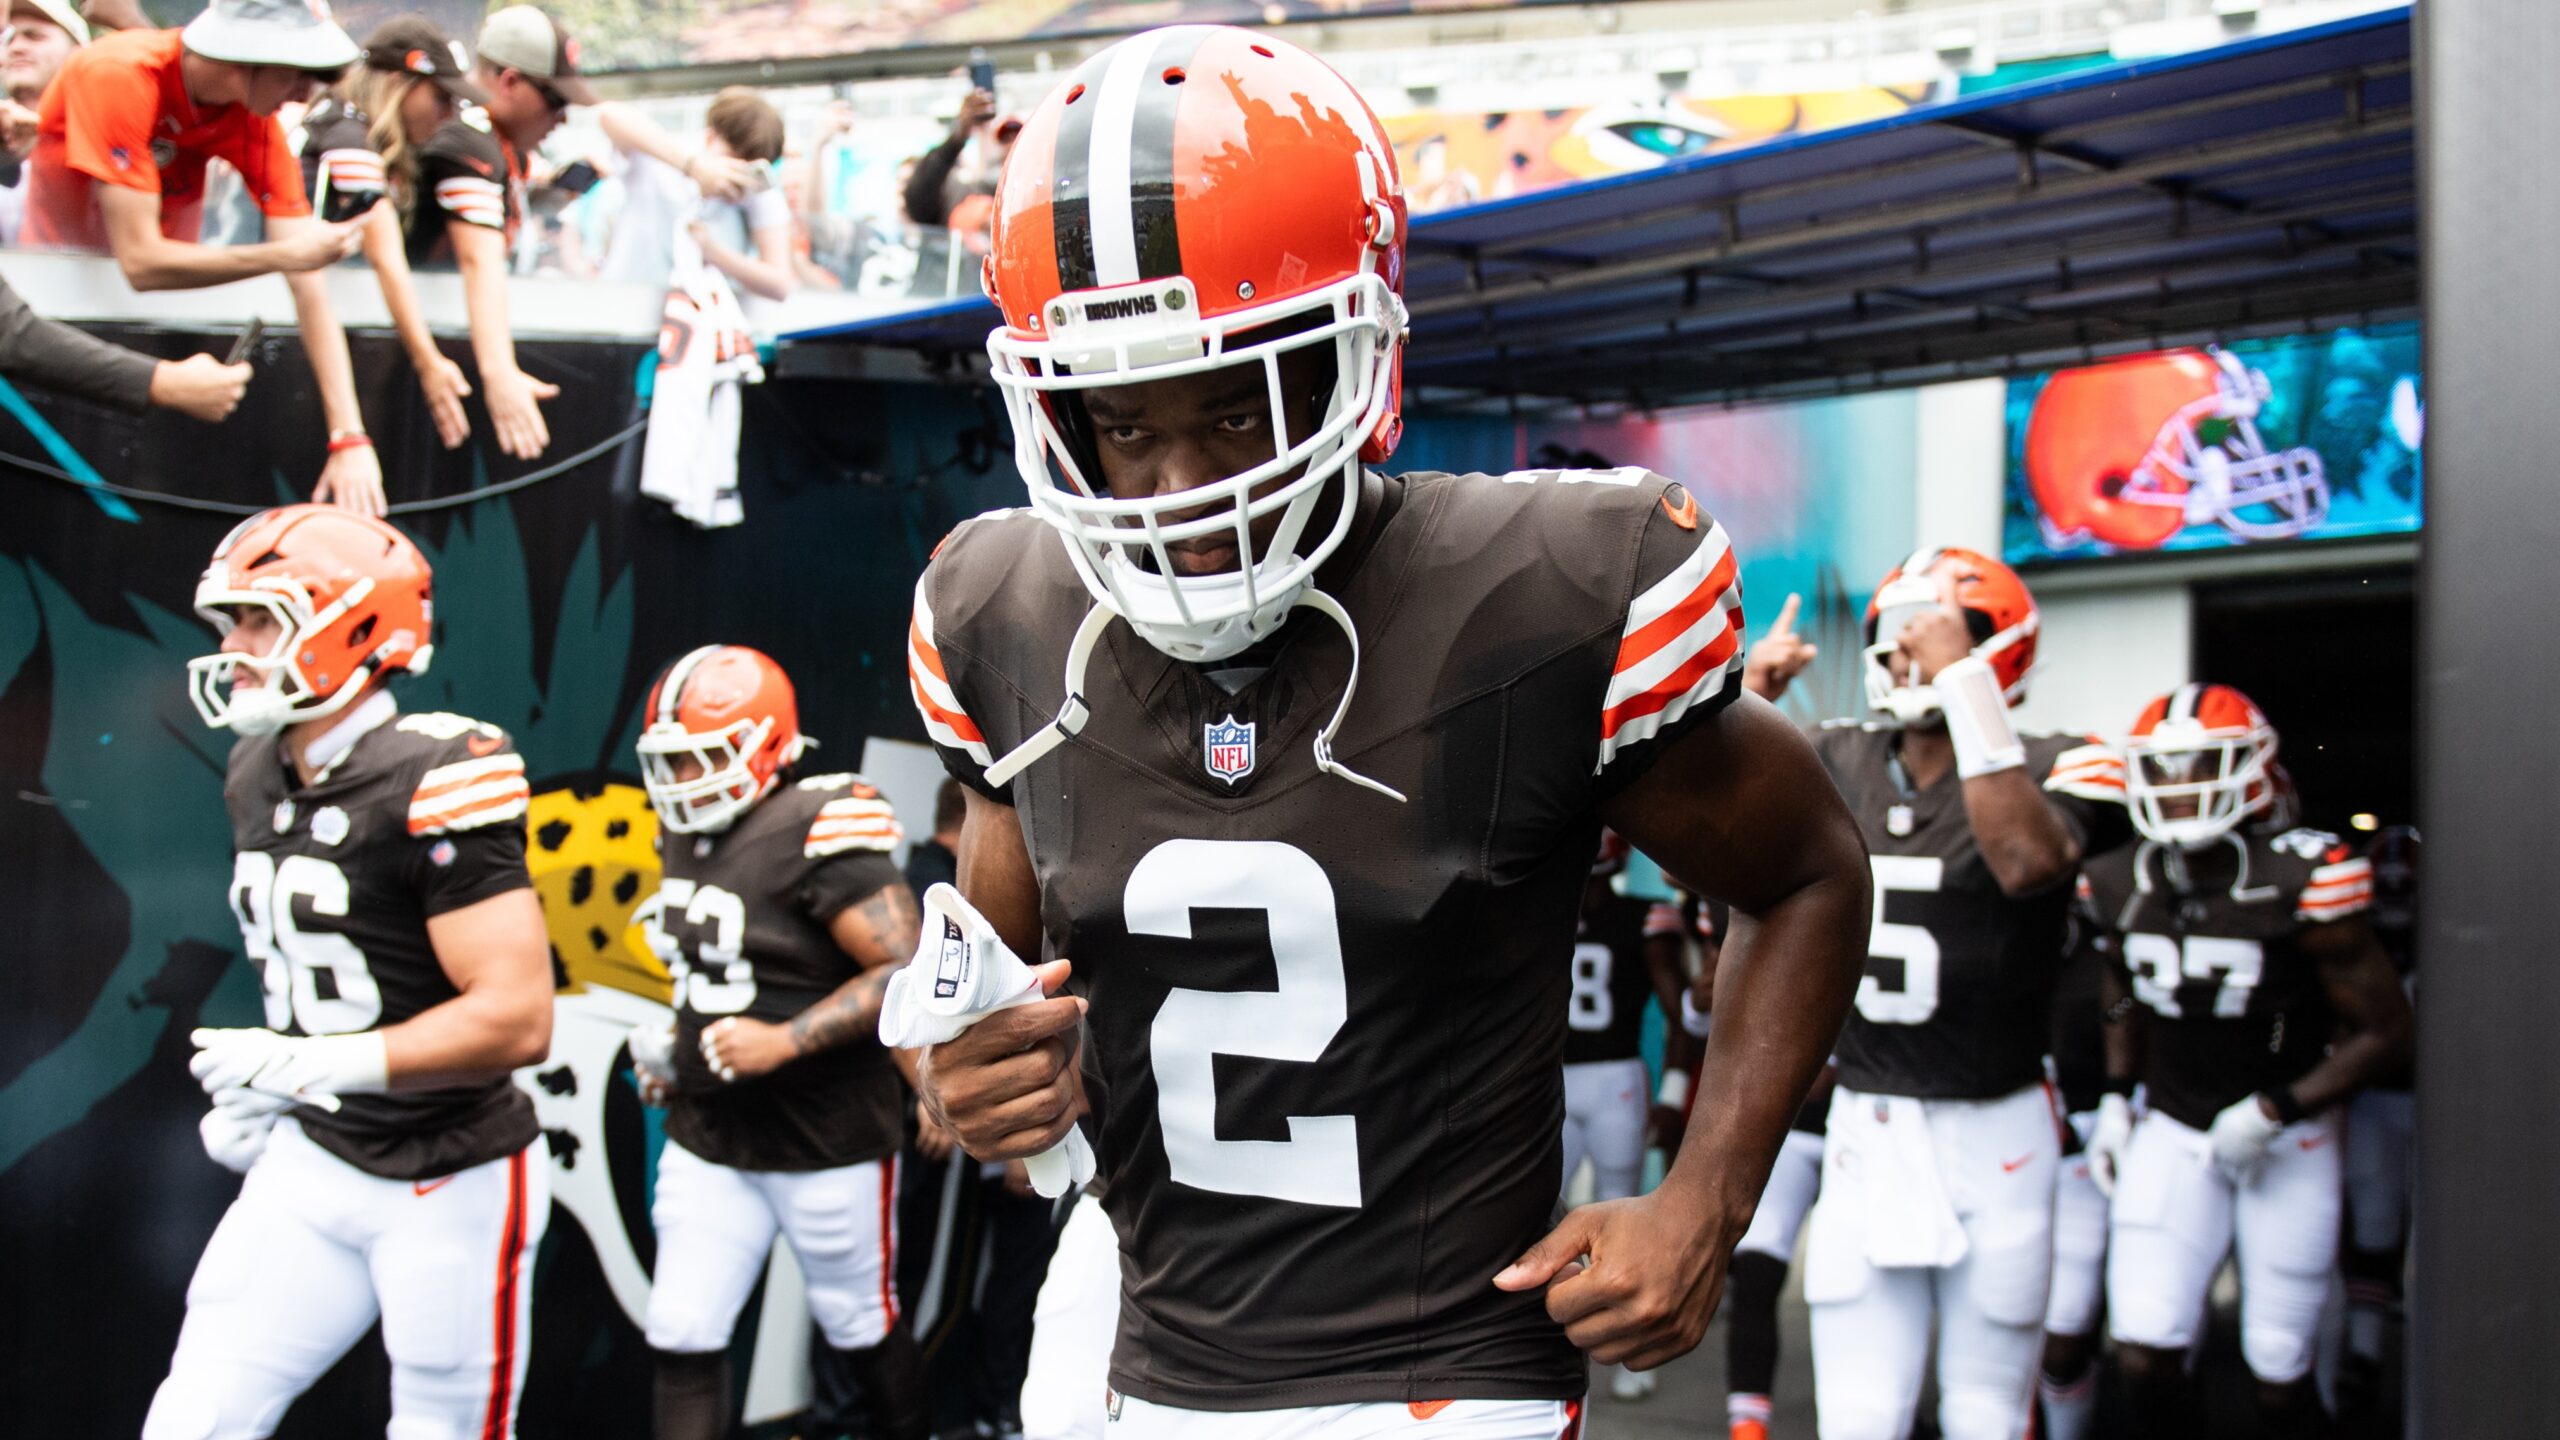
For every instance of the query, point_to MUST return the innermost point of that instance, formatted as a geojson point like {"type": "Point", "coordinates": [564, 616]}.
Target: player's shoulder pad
{"type": "Point", "coordinates": [2081, 765]}
{"type": "Point", "coordinates": [991, 560]}
{"type": "Point", "coordinates": [2338, 881]}
{"type": "Point", "coordinates": [468, 773]}
{"type": "Point", "coordinates": [851, 815]}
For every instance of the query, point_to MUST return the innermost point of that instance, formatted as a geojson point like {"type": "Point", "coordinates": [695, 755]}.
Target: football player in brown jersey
{"type": "Point", "coordinates": [780, 916]}
{"type": "Point", "coordinates": [1936, 1208]}
{"type": "Point", "coordinates": [393, 1170]}
{"type": "Point", "coordinates": [2264, 1003]}
{"type": "Point", "coordinates": [1320, 911]}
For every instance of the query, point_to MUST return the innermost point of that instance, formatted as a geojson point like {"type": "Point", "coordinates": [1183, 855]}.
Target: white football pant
{"type": "Point", "coordinates": [2079, 1242]}
{"type": "Point", "coordinates": [1066, 1393]}
{"type": "Point", "coordinates": [716, 1228]}
{"type": "Point", "coordinates": [1785, 1200]}
{"type": "Point", "coordinates": [1604, 1115]}
{"type": "Point", "coordinates": [1135, 1419]}
{"type": "Point", "coordinates": [315, 1250]}
{"type": "Point", "coordinates": [1994, 1162]}
{"type": "Point", "coordinates": [2176, 1216]}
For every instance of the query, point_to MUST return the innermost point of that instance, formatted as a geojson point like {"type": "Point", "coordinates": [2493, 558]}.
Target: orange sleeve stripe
{"type": "Point", "coordinates": [959, 724]}
{"type": "Point", "coordinates": [1675, 622]}
{"type": "Point", "coordinates": [1672, 686]}
{"type": "Point", "coordinates": [446, 779]}
{"type": "Point", "coordinates": [513, 798]}
{"type": "Point", "coordinates": [925, 652]}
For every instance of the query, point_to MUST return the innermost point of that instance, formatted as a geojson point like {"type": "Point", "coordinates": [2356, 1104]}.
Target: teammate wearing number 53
{"type": "Point", "coordinates": [1320, 911]}
{"type": "Point", "coordinates": [1938, 1170]}
{"type": "Point", "coordinates": [2265, 1002]}
{"type": "Point", "coordinates": [780, 915]}
{"type": "Point", "coordinates": [393, 1172]}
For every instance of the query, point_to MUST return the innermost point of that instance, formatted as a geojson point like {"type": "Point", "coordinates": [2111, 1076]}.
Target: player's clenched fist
{"type": "Point", "coordinates": [1006, 1086]}
{"type": "Point", "coordinates": [1651, 1271]}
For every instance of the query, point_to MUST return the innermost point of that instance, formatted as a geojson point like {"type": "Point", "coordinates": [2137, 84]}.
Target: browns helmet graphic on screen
{"type": "Point", "coordinates": [2129, 452]}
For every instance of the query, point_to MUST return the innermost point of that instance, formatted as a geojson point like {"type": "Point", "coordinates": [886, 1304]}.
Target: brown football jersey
{"type": "Point", "coordinates": [741, 919]}
{"type": "Point", "coordinates": [1326, 1028]}
{"type": "Point", "coordinates": [1958, 995]}
{"type": "Point", "coordinates": [2210, 941]}
{"type": "Point", "coordinates": [1612, 984]}
{"type": "Point", "coordinates": [334, 882]}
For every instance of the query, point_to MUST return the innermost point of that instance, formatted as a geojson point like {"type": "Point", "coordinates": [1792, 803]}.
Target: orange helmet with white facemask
{"type": "Point", "coordinates": [353, 601]}
{"type": "Point", "coordinates": [1193, 198]}
{"type": "Point", "coordinates": [2131, 451]}
{"type": "Point", "coordinates": [1998, 612]}
{"type": "Point", "coordinates": [728, 714]}
{"type": "Point", "coordinates": [2200, 760]}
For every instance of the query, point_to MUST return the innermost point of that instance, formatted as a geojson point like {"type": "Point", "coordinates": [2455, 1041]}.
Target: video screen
{"type": "Point", "coordinates": [2301, 437]}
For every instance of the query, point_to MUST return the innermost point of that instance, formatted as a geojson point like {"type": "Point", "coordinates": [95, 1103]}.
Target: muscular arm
{"type": "Point", "coordinates": [2372, 1010]}
{"type": "Point", "coordinates": [496, 954]}
{"type": "Point", "coordinates": [2024, 842]}
{"type": "Point", "coordinates": [880, 935]}
{"type": "Point", "coordinates": [1740, 809]}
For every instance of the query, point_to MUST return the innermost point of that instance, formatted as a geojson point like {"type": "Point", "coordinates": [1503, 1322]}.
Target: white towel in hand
{"type": "Point", "coordinates": [705, 352]}
{"type": "Point", "coordinates": [962, 973]}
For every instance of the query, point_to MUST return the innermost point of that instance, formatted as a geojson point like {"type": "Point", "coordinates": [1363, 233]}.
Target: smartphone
{"type": "Point", "coordinates": [247, 342]}
{"type": "Point", "coordinates": [577, 177]}
{"type": "Point", "coordinates": [982, 71]}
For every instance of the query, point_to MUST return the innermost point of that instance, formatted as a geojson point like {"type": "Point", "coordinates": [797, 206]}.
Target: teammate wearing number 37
{"type": "Point", "coordinates": [1291, 771]}
{"type": "Point", "coordinates": [1938, 1171]}
{"type": "Point", "coordinates": [393, 1172]}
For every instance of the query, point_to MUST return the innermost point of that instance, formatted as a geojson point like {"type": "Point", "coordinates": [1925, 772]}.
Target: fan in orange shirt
{"type": "Point", "coordinates": [119, 166]}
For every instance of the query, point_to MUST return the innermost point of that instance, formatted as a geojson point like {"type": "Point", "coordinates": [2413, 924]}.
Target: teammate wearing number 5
{"type": "Point", "coordinates": [2264, 1003]}
{"type": "Point", "coordinates": [1302, 767]}
{"type": "Point", "coordinates": [393, 1172]}
{"type": "Point", "coordinates": [1938, 1172]}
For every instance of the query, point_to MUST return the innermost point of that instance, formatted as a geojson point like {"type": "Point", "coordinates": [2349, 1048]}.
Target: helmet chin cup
{"type": "Point", "coordinates": [1154, 613]}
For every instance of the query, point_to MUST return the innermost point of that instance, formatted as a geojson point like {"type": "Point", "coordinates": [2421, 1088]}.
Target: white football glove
{"type": "Point", "coordinates": [235, 1130]}
{"type": "Point", "coordinates": [303, 1070]}
{"type": "Point", "coordinates": [653, 1056]}
{"type": "Point", "coordinates": [2108, 1140]}
{"type": "Point", "coordinates": [2240, 1135]}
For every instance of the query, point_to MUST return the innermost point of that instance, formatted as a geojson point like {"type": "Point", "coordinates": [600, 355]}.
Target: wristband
{"type": "Point", "coordinates": [349, 440]}
{"type": "Point", "coordinates": [1675, 1089]}
{"type": "Point", "coordinates": [2287, 1106]}
{"type": "Point", "coordinates": [1977, 718]}
{"type": "Point", "coordinates": [1692, 1019]}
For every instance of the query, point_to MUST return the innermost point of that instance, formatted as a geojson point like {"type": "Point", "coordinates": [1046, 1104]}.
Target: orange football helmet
{"type": "Point", "coordinates": [2131, 451]}
{"type": "Point", "coordinates": [1146, 228]}
{"type": "Point", "coordinates": [353, 601]}
{"type": "Point", "coordinates": [1998, 610]}
{"type": "Point", "coordinates": [2201, 759]}
{"type": "Point", "coordinates": [731, 713]}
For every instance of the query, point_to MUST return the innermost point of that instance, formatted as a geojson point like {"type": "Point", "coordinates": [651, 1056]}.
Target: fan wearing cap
{"type": "Point", "coordinates": [2262, 1002]}
{"type": "Point", "coordinates": [124, 137]}
{"type": "Point", "coordinates": [364, 142]}
{"type": "Point", "coordinates": [1941, 1156]}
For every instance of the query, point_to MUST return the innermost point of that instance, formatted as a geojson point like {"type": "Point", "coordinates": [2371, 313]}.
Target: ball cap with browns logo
{"type": "Point", "coordinates": [413, 45]}
{"type": "Point", "coordinates": [524, 39]}
{"type": "Point", "coordinates": [299, 34]}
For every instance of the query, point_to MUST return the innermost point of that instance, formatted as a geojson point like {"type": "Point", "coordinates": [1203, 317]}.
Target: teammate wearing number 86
{"type": "Point", "coordinates": [2264, 1003]}
{"type": "Point", "coordinates": [392, 1169]}
{"type": "Point", "coordinates": [1938, 1171]}
{"type": "Point", "coordinates": [1316, 914]}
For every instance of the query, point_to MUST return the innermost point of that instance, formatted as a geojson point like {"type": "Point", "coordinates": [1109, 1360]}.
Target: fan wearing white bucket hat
{"type": "Point", "coordinates": [123, 139]}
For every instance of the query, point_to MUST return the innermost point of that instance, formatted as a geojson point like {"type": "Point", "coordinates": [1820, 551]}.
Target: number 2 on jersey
{"type": "Point", "coordinates": [1319, 1164]}
{"type": "Point", "coordinates": [1905, 954]}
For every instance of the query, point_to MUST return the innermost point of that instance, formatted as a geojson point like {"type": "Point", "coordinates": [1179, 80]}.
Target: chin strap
{"type": "Point", "coordinates": [1073, 714]}
{"type": "Point", "coordinates": [1331, 609]}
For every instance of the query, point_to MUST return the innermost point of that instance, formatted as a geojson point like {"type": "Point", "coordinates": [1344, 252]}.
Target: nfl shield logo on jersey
{"type": "Point", "coordinates": [1230, 749]}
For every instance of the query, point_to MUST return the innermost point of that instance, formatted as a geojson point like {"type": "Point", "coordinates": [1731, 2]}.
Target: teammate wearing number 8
{"type": "Point", "coordinates": [1936, 1205]}
{"type": "Point", "coordinates": [393, 1171]}
{"type": "Point", "coordinates": [1321, 910]}
{"type": "Point", "coordinates": [2264, 1003]}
